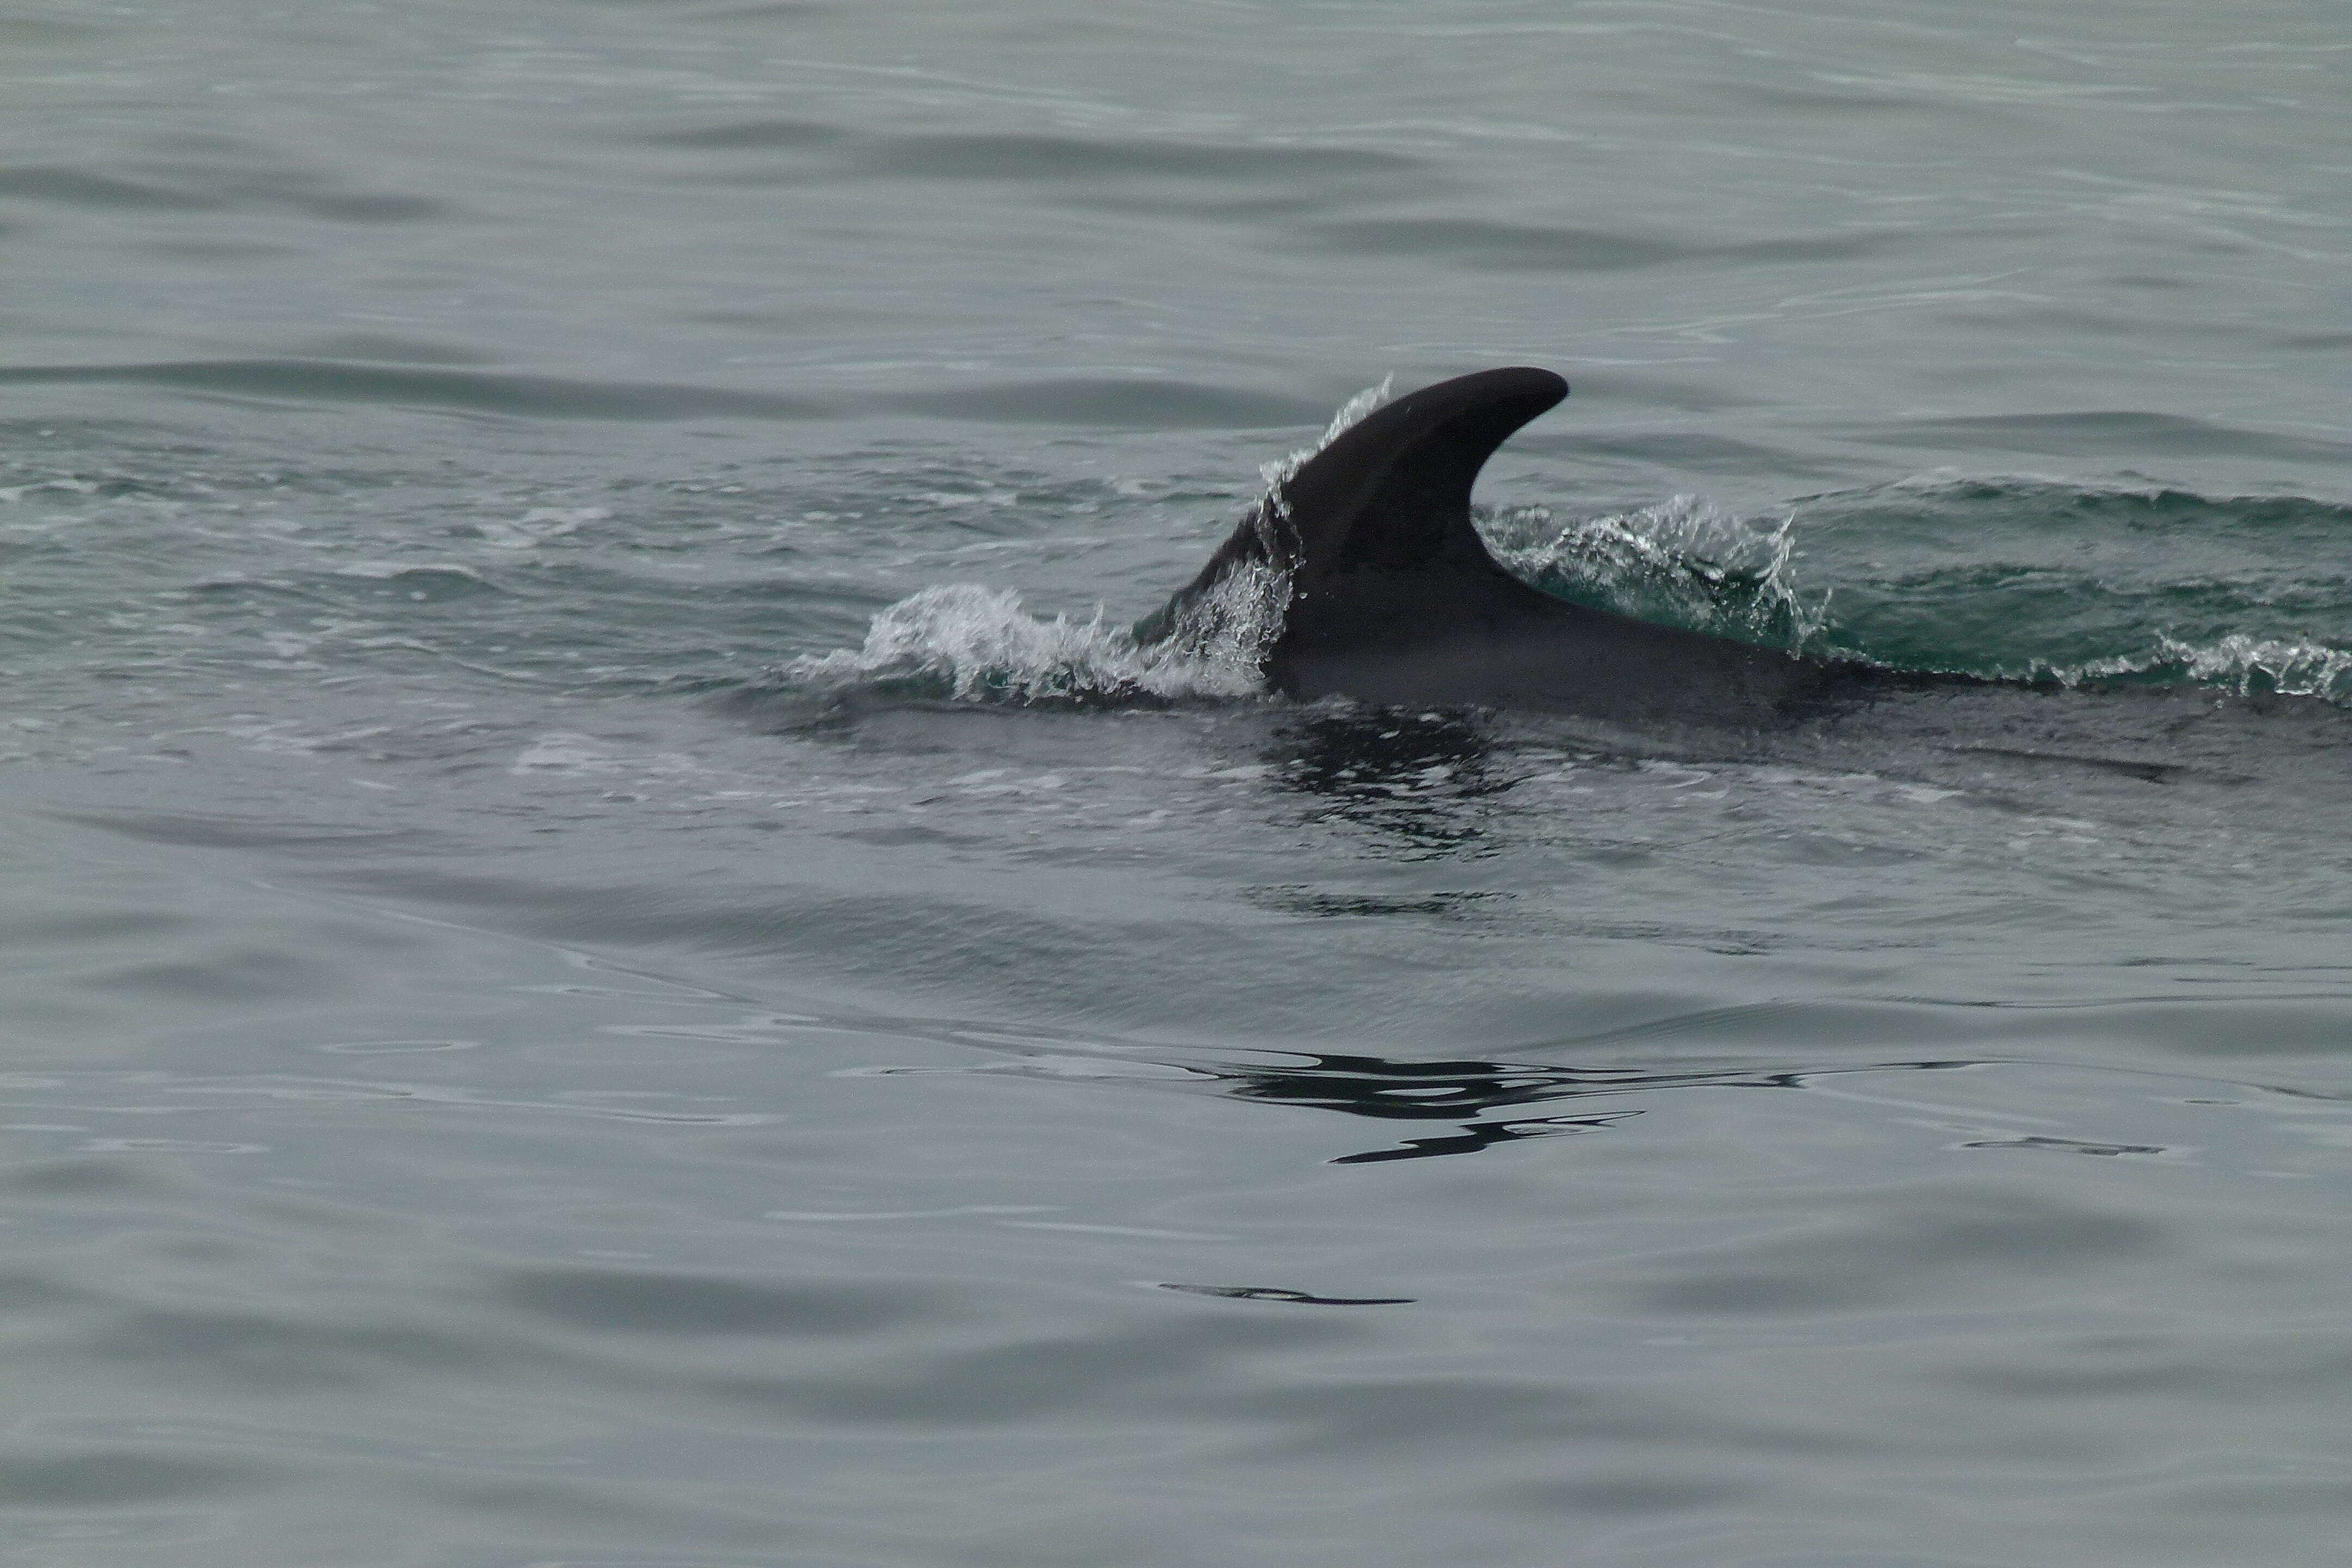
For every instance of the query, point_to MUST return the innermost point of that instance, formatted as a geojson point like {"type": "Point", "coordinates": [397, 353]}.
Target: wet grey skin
{"type": "Point", "coordinates": [1395, 600]}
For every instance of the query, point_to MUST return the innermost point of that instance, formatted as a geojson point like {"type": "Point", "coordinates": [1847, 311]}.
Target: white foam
{"type": "Point", "coordinates": [980, 643]}
{"type": "Point", "coordinates": [2239, 663]}
{"type": "Point", "coordinates": [1693, 561]}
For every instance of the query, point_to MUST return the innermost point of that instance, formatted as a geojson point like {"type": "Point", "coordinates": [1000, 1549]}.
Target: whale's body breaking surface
{"type": "Point", "coordinates": [1392, 597]}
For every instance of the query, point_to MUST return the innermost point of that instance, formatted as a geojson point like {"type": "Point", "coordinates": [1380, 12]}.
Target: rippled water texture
{"type": "Point", "coordinates": [618, 958]}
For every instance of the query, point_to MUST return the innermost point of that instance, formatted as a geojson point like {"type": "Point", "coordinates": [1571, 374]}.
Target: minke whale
{"type": "Point", "coordinates": [1394, 599]}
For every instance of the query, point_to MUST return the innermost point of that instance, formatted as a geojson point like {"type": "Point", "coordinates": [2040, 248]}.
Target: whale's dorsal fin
{"type": "Point", "coordinates": [1389, 595]}
{"type": "Point", "coordinates": [1392, 492]}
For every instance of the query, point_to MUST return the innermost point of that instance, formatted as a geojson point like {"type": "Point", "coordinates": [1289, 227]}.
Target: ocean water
{"type": "Point", "coordinates": [616, 960]}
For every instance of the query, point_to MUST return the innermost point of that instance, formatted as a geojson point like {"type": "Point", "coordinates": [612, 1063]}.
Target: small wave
{"type": "Point", "coordinates": [2239, 663]}
{"type": "Point", "coordinates": [425, 582]}
{"type": "Point", "coordinates": [2106, 433]}
{"type": "Point", "coordinates": [538, 525]}
{"type": "Point", "coordinates": [1489, 247]}
{"type": "Point", "coordinates": [1683, 561]}
{"type": "Point", "coordinates": [393, 571]}
{"type": "Point", "coordinates": [1064, 159]}
{"type": "Point", "coordinates": [329, 383]}
{"type": "Point", "coordinates": [2045, 579]}
{"type": "Point", "coordinates": [1107, 402]}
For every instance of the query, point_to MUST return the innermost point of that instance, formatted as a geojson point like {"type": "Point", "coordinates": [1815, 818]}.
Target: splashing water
{"type": "Point", "coordinates": [2239, 663]}
{"type": "Point", "coordinates": [1683, 561]}
{"type": "Point", "coordinates": [1230, 625]}
{"type": "Point", "coordinates": [1277, 473]}
{"type": "Point", "coordinates": [976, 644]}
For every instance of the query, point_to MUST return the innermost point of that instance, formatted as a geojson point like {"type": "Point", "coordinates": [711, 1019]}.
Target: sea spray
{"type": "Point", "coordinates": [972, 643]}
{"type": "Point", "coordinates": [1683, 561]}
{"type": "Point", "coordinates": [2236, 662]}
{"type": "Point", "coordinates": [1277, 472]}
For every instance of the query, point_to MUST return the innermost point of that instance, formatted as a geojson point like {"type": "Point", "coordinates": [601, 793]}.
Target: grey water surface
{"type": "Point", "coordinates": [616, 960]}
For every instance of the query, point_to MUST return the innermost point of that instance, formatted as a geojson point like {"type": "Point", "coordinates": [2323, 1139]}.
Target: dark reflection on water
{"type": "Point", "coordinates": [1297, 899]}
{"type": "Point", "coordinates": [1274, 1293]}
{"type": "Point", "coordinates": [1419, 780]}
{"type": "Point", "coordinates": [2064, 1145]}
{"type": "Point", "coordinates": [1462, 1092]}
